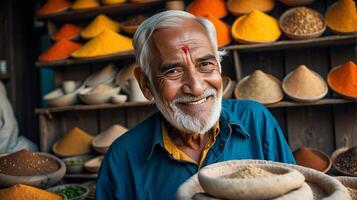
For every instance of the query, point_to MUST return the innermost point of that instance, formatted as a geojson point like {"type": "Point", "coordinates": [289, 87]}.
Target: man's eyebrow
{"type": "Point", "coordinates": [166, 66]}
{"type": "Point", "coordinates": [205, 58]}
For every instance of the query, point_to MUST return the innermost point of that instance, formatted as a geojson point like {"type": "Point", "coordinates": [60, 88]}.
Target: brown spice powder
{"type": "Point", "coordinates": [26, 163]}
{"type": "Point", "coordinates": [304, 83]}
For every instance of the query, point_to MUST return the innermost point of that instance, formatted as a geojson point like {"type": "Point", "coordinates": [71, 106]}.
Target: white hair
{"type": "Point", "coordinates": [167, 19]}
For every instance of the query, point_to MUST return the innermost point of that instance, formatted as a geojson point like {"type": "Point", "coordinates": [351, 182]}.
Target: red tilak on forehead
{"type": "Point", "coordinates": [185, 48]}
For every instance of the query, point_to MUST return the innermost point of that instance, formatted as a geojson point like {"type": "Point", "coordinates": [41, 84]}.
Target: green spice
{"type": "Point", "coordinates": [71, 192]}
{"type": "Point", "coordinates": [74, 162]}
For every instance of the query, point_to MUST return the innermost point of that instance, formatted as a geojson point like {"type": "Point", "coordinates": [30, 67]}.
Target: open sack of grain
{"type": "Point", "coordinates": [259, 179]}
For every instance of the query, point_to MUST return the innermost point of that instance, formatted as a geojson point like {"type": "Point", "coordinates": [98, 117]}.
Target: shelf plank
{"type": "Point", "coordinates": [111, 10]}
{"type": "Point", "coordinates": [134, 104]}
{"type": "Point", "coordinates": [67, 62]}
{"type": "Point", "coordinates": [81, 176]}
{"type": "Point", "coordinates": [289, 44]}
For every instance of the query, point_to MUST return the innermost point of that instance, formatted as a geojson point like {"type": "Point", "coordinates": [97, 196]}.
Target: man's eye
{"type": "Point", "coordinates": [173, 72]}
{"type": "Point", "coordinates": [207, 66]}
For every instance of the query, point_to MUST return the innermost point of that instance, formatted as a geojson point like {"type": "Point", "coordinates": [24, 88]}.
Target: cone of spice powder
{"type": "Point", "coordinates": [27, 163]}
{"type": "Point", "coordinates": [102, 141]}
{"type": "Point", "coordinates": [260, 87]}
{"type": "Point", "coordinates": [308, 158]}
{"type": "Point", "coordinates": [242, 7]}
{"type": "Point", "coordinates": [53, 6]}
{"type": "Point", "coordinates": [256, 27]}
{"type": "Point", "coordinates": [62, 49]}
{"type": "Point", "coordinates": [25, 192]}
{"type": "Point", "coordinates": [343, 80]}
{"type": "Point", "coordinates": [106, 43]}
{"type": "Point", "coordinates": [202, 8]}
{"type": "Point", "coordinates": [98, 25]}
{"type": "Point", "coordinates": [85, 4]}
{"type": "Point", "coordinates": [341, 17]}
{"type": "Point", "coordinates": [303, 84]}
{"type": "Point", "coordinates": [67, 31]}
{"type": "Point", "coordinates": [75, 142]}
{"type": "Point", "coordinates": [223, 31]}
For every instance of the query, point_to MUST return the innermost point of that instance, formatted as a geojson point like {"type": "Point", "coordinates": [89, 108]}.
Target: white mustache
{"type": "Point", "coordinates": [189, 98]}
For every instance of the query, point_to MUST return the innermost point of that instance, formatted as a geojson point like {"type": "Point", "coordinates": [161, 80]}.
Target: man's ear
{"type": "Point", "coordinates": [143, 83]}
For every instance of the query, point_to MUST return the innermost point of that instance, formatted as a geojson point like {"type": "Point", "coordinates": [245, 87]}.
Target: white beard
{"type": "Point", "coordinates": [191, 124]}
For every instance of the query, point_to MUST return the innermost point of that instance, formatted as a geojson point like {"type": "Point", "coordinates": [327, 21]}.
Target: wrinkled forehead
{"type": "Point", "coordinates": [189, 34]}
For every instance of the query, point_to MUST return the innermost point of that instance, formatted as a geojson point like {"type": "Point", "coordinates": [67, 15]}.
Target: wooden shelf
{"type": "Point", "coordinates": [134, 104]}
{"type": "Point", "coordinates": [81, 176]}
{"type": "Point", "coordinates": [290, 44]}
{"type": "Point", "coordinates": [67, 62]}
{"type": "Point", "coordinates": [90, 107]}
{"type": "Point", "coordinates": [111, 10]}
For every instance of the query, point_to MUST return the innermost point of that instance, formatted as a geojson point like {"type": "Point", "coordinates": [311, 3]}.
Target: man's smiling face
{"type": "Point", "coordinates": [187, 84]}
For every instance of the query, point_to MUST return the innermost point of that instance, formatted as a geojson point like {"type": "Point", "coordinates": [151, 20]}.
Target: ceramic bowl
{"type": "Point", "coordinates": [58, 189]}
{"type": "Point", "coordinates": [119, 98]}
{"type": "Point", "coordinates": [93, 164]}
{"type": "Point", "coordinates": [296, 2]}
{"type": "Point", "coordinates": [41, 181]}
{"type": "Point", "coordinates": [75, 164]}
{"type": "Point", "coordinates": [104, 139]}
{"type": "Point", "coordinates": [323, 156]}
{"type": "Point", "coordinates": [57, 98]}
{"type": "Point", "coordinates": [69, 86]}
{"type": "Point", "coordinates": [304, 99]}
{"type": "Point", "coordinates": [296, 36]}
{"type": "Point", "coordinates": [98, 97]}
{"type": "Point", "coordinates": [125, 74]}
{"type": "Point", "coordinates": [334, 156]}
{"type": "Point", "coordinates": [104, 76]}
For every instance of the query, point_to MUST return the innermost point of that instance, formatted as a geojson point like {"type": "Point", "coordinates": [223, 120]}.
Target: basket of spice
{"type": "Point", "coordinates": [131, 24]}
{"type": "Point", "coordinates": [30, 168]}
{"type": "Point", "coordinates": [315, 185]}
{"type": "Point", "coordinates": [344, 160]}
{"type": "Point", "coordinates": [351, 184]}
{"type": "Point", "coordinates": [302, 23]}
{"type": "Point", "coordinates": [71, 191]}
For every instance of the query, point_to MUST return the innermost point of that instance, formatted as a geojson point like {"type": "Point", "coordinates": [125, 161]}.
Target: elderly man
{"type": "Point", "coordinates": [180, 70]}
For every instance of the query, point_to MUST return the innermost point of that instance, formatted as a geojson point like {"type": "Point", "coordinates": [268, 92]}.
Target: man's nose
{"type": "Point", "coordinates": [193, 82]}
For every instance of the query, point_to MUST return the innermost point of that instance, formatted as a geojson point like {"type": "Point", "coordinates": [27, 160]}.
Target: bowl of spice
{"type": "Point", "coordinates": [30, 168]}
{"type": "Point", "coordinates": [344, 160]}
{"type": "Point", "coordinates": [312, 158]}
{"type": "Point", "coordinates": [302, 23]}
{"type": "Point", "coordinates": [249, 181]}
{"type": "Point", "coordinates": [351, 184]}
{"type": "Point", "coordinates": [341, 17]}
{"type": "Point", "coordinates": [104, 139]}
{"type": "Point", "coordinates": [71, 191]}
{"type": "Point", "coordinates": [93, 164]}
{"type": "Point", "coordinates": [75, 164]}
{"type": "Point", "coordinates": [132, 23]}
{"type": "Point", "coordinates": [343, 80]}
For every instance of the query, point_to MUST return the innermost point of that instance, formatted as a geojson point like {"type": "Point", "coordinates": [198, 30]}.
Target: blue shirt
{"type": "Point", "coordinates": [137, 166]}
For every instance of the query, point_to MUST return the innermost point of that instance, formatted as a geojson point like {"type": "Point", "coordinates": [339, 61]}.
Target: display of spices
{"type": "Point", "coordinates": [62, 49]}
{"type": "Point", "coordinates": [107, 137]}
{"type": "Point", "coordinates": [27, 163]}
{"type": "Point", "coordinates": [353, 193]}
{"type": "Point", "coordinates": [347, 161]}
{"type": "Point", "coordinates": [106, 43]}
{"type": "Point", "coordinates": [202, 8]}
{"type": "Point", "coordinates": [260, 87]}
{"type": "Point", "coordinates": [22, 192]}
{"type": "Point", "coordinates": [67, 31]}
{"type": "Point", "coordinates": [223, 31]}
{"type": "Point", "coordinates": [241, 7]}
{"type": "Point", "coordinates": [343, 79]}
{"type": "Point", "coordinates": [256, 27]}
{"type": "Point", "coordinates": [75, 142]}
{"type": "Point", "coordinates": [98, 25]}
{"type": "Point", "coordinates": [342, 16]}
{"type": "Point", "coordinates": [84, 4]}
{"type": "Point", "coordinates": [303, 21]}
{"type": "Point", "coordinates": [110, 2]}
{"type": "Point", "coordinates": [308, 158]}
{"type": "Point", "coordinates": [53, 6]}
{"type": "Point", "coordinates": [248, 172]}
{"type": "Point", "coordinates": [304, 83]}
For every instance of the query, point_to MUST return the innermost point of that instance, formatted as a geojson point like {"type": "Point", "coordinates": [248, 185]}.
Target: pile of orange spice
{"type": "Point", "coordinates": [343, 79]}
{"type": "Point", "coordinates": [53, 6]}
{"type": "Point", "coordinates": [62, 49]}
{"type": "Point", "coordinates": [223, 31]}
{"type": "Point", "coordinates": [67, 31]}
{"type": "Point", "coordinates": [202, 8]}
